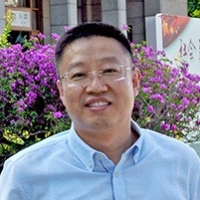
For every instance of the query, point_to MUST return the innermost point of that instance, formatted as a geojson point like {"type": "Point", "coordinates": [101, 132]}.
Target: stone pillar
{"type": "Point", "coordinates": [175, 7]}
{"type": "Point", "coordinates": [89, 10]}
{"type": "Point", "coordinates": [135, 18]}
{"type": "Point", "coordinates": [114, 12]}
{"type": "Point", "coordinates": [46, 21]}
{"type": "Point", "coordinates": [63, 13]}
{"type": "Point", "coordinates": [2, 13]}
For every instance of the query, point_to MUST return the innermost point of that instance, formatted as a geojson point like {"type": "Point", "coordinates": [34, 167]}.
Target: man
{"type": "Point", "coordinates": [105, 155]}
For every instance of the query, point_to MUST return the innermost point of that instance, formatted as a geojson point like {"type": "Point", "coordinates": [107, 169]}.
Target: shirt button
{"type": "Point", "coordinates": [90, 165]}
{"type": "Point", "coordinates": [99, 157]}
{"type": "Point", "coordinates": [116, 174]}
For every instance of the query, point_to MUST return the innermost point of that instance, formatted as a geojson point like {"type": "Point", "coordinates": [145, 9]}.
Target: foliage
{"type": "Point", "coordinates": [169, 100]}
{"type": "Point", "coordinates": [30, 108]}
{"type": "Point", "coordinates": [194, 8]}
{"type": "Point", "coordinates": [6, 33]}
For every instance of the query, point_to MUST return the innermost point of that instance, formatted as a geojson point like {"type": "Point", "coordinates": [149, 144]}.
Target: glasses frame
{"type": "Point", "coordinates": [92, 74]}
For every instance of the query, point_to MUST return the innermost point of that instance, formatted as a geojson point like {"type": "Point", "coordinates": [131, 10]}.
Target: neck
{"type": "Point", "coordinates": [113, 143]}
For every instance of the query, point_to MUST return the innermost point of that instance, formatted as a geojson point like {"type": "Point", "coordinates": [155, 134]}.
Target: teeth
{"type": "Point", "coordinates": [99, 104]}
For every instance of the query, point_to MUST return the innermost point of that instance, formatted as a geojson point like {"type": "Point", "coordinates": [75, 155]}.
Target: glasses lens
{"type": "Point", "coordinates": [112, 72]}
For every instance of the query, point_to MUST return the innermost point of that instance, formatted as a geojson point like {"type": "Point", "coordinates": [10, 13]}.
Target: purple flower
{"type": "Point", "coordinates": [175, 71]}
{"type": "Point", "coordinates": [33, 37]}
{"type": "Point", "coordinates": [181, 107]}
{"type": "Point", "coordinates": [177, 117]}
{"type": "Point", "coordinates": [163, 86]}
{"type": "Point", "coordinates": [165, 126]}
{"type": "Point", "coordinates": [145, 89]}
{"type": "Point", "coordinates": [171, 81]}
{"type": "Point", "coordinates": [55, 36]}
{"type": "Point", "coordinates": [185, 101]}
{"type": "Point", "coordinates": [20, 110]}
{"type": "Point", "coordinates": [173, 127]}
{"type": "Point", "coordinates": [57, 114]}
{"type": "Point", "coordinates": [172, 105]}
{"type": "Point", "coordinates": [194, 101]}
{"type": "Point", "coordinates": [125, 27]}
{"type": "Point", "coordinates": [12, 121]}
{"type": "Point", "coordinates": [13, 85]}
{"type": "Point", "coordinates": [135, 51]}
{"type": "Point", "coordinates": [159, 72]}
{"type": "Point", "coordinates": [150, 108]}
{"type": "Point", "coordinates": [41, 36]}
{"type": "Point", "coordinates": [159, 97]}
{"type": "Point", "coordinates": [186, 91]}
{"type": "Point", "coordinates": [27, 122]}
{"type": "Point", "coordinates": [67, 28]}
{"type": "Point", "coordinates": [30, 98]}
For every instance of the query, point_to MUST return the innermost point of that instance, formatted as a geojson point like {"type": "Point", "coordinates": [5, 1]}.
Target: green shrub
{"type": "Point", "coordinates": [194, 8]}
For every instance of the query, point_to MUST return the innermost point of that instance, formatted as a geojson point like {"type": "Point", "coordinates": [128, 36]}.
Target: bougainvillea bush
{"type": "Point", "coordinates": [30, 108]}
{"type": "Point", "coordinates": [169, 100]}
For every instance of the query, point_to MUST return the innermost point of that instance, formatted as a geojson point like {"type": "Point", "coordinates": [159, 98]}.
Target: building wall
{"type": "Point", "coordinates": [62, 13]}
{"type": "Point", "coordinates": [137, 10]}
{"type": "Point", "coordinates": [135, 19]}
{"type": "Point", "coordinates": [46, 20]}
{"type": "Point", "coordinates": [114, 12]}
{"type": "Point", "coordinates": [172, 7]}
{"type": "Point", "coordinates": [59, 13]}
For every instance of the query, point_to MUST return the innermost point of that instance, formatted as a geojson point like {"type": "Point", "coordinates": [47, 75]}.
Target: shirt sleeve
{"type": "Point", "coordinates": [11, 183]}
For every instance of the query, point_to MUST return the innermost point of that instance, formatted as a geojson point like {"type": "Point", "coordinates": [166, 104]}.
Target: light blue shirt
{"type": "Point", "coordinates": [63, 167]}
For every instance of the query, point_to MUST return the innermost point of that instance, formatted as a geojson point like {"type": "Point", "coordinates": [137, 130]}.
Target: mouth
{"type": "Point", "coordinates": [98, 104]}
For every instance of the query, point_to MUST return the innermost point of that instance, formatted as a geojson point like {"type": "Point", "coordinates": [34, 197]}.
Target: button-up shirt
{"type": "Point", "coordinates": [64, 167]}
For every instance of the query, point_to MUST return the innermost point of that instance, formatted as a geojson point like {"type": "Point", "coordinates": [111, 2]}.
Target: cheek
{"type": "Point", "coordinates": [71, 99]}
{"type": "Point", "coordinates": [126, 93]}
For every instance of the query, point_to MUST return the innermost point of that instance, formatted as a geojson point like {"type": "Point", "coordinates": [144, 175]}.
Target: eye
{"type": "Point", "coordinates": [77, 76]}
{"type": "Point", "coordinates": [111, 70]}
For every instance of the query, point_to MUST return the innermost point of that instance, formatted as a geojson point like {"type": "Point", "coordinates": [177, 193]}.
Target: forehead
{"type": "Point", "coordinates": [94, 43]}
{"type": "Point", "coordinates": [92, 50]}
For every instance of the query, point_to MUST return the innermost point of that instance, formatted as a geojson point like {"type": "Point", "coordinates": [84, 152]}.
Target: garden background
{"type": "Point", "coordinates": [30, 108]}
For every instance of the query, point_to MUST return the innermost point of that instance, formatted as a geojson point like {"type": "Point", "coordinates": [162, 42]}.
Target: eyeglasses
{"type": "Point", "coordinates": [108, 73]}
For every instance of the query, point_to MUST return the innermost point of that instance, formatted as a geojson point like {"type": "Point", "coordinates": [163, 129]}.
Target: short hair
{"type": "Point", "coordinates": [88, 30]}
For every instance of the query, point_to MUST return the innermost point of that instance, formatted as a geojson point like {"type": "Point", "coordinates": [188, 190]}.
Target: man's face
{"type": "Point", "coordinates": [99, 104]}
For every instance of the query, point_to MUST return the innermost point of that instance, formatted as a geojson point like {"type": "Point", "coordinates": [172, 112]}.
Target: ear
{"type": "Point", "coordinates": [61, 90]}
{"type": "Point", "coordinates": [136, 77]}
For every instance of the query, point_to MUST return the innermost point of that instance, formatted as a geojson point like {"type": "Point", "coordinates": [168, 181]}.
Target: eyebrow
{"type": "Point", "coordinates": [103, 59]}
{"type": "Point", "coordinates": [110, 58]}
{"type": "Point", "coordinates": [75, 64]}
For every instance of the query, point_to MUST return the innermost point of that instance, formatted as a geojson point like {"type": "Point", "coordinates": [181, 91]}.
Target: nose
{"type": "Point", "coordinates": [96, 85]}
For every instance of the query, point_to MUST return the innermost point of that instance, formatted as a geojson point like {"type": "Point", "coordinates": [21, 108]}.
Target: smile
{"type": "Point", "coordinates": [98, 104]}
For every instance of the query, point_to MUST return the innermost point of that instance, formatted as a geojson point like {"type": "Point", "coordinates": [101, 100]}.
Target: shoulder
{"type": "Point", "coordinates": [169, 145]}
{"type": "Point", "coordinates": [42, 148]}
{"type": "Point", "coordinates": [31, 165]}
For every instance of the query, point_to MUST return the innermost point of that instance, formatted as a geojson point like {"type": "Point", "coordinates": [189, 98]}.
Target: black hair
{"type": "Point", "coordinates": [89, 30]}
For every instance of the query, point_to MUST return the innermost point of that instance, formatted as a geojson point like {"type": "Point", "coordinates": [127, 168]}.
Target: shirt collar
{"type": "Point", "coordinates": [137, 146]}
{"type": "Point", "coordinates": [86, 154]}
{"type": "Point", "coordinates": [83, 151]}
